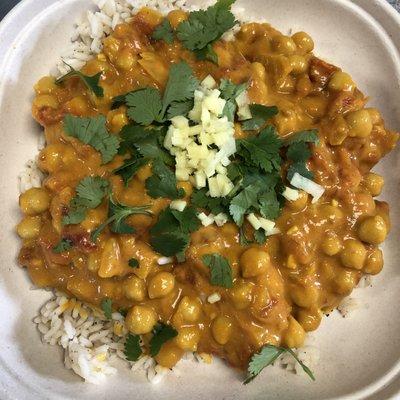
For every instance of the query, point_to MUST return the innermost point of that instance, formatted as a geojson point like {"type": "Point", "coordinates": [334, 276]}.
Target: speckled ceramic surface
{"type": "Point", "coordinates": [359, 355]}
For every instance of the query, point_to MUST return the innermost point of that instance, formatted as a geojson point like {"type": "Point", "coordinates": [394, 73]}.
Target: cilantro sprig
{"type": "Point", "coordinates": [162, 333]}
{"type": "Point", "coordinates": [164, 32]}
{"type": "Point", "coordinates": [267, 356]}
{"type": "Point", "coordinates": [90, 193]}
{"type": "Point", "coordinates": [132, 348]}
{"type": "Point", "coordinates": [117, 215]}
{"type": "Point", "coordinates": [260, 114]}
{"type": "Point", "coordinates": [146, 105]}
{"type": "Point", "coordinates": [170, 235]}
{"type": "Point", "coordinates": [204, 27]}
{"type": "Point", "coordinates": [106, 306]}
{"type": "Point", "coordinates": [229, 92]}
{"type": "Point", "coordinates": [220, 270]}
{"type": "Point", "coordinates": [63, 245]}
{"type": "Point", "coordinates": [91, 82]}
{"type": "Point", "coordinates": [93, 131]}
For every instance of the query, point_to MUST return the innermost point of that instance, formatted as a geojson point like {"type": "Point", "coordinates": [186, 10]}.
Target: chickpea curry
{"type": "Point", "coordinates": [219, 190]}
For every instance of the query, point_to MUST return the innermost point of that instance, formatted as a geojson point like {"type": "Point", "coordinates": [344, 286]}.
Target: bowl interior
{"type": "Point", "coordinates": [358, 354]}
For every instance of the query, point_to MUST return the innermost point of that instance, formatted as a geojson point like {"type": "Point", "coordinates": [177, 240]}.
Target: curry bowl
{"type": "Point", "coordinates": [359, 354]}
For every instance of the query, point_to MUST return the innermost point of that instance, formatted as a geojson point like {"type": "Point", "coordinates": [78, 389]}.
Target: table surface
{"type": "Point", "coordinates": [7, 5]}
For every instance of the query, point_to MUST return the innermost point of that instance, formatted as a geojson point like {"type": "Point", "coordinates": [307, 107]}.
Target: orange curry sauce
{"type": "Point", "coordinates": [281, 289]}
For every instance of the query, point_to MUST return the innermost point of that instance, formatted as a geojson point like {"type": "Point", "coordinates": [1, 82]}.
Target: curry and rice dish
{"type": "Point", "coordinates": [217, 193]}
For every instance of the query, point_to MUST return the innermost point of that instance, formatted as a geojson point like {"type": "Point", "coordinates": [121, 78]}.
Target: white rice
{"type": "Point", "coordinates": [91, 343]}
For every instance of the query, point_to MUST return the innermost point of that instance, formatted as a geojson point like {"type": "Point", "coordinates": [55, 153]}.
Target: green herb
{"type": "Point", "coordinates": [170, 235]}
{"type": "Point", "coordinates": [229, 92]}
{"type": "Point", "coordinates": [117, 214]}
{"type": "Point", "coordinates": [132, 347]}
{"type": "Point", "coordinates": [220, 270]}
{"type": "Point", "coordinates": [215, 205]}
{"type": "Point", "coordinates": [263, 150]}
{"type": "Point", "coordinates": [123, 312]}
{"type": "Point", "coordinates": [267, 356]}
{"type": "Point", "coordinates": [180, 108]}
{"type": "Point", "coordinates": [118, 101]}
{"type": "Point", "coordinates": [259, 236]}
{"type": "Point", "coordinates": [269, 204]}
{"type": "Point", "coordinates": [93, 131]}
{"type": "Point", "coordinates": [164, 32]}
{"type": "Point", "coordinates": [130, 167]}
{"type": "Point", "coordinates": [90, 193]}
{"type": "Point", "coordinates": [106, 306]}
{"type": "Point", "coordinates": [204, 27]}
{"type": "Point", "coordinates": [133, 263]}
{"type": "Point", "coordinates": [163, 182]}
{"type": "Point", "coordinates": [207, 53]}
{"type": "Point", "coordinates": [92, 82]}
{"type": "Point", "coordinates": [243, 202]}
{"type": "Point", "coordinates": [298, 152]}
{"type": "Point", "coordinates": [63, 245]}
{"type": "Point", "coordinates": [162, 333]}
{"type": "Point", "coordinates": [260, 114]}
{"type": "Point", "coordinates": [146, 106]}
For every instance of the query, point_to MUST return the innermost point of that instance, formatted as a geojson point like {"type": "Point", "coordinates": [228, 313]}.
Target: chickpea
{"type": "Point", "coordinates": [77, 105]}
{"type": "Point", "coordinates": [54, 156]}
{"type": "Point", "coordinates": [46, 100]}
{"type": "Point", "coordinates": [169, 354]}
{"type": "Point", "coordinates": [283, 44]}
{"type": "Point", "coordinates": [341, 81]}
{"type": "Point", "coordinates": [304, 85]}
{"type": "Point", "coordinates": [188, 338]}
{"type": "Point", "coordinates": [298, 63]}
{"type": "Point", "coordinates": [375, 115]}
{"type": "Point", "coordinates": [295, 335]}
{"type": "Point", "coordinates": [374, 183]}
{"type": "Point", "coordinates": [305, 297]}
{"type": "Point", "coordinates": [241, 294]}
{"type": "Point", "coordinates": [331, 245]}
{"type": "Point", "coordinates": [345, 281]}
{"type": "Point", "coordinates": [161, 285]}
{"type": "Point", "coordinates": [221, 329]}
{"type": "Point", "coordinates": [175, 17]}
{"type": "Point", "coordinates": [314, 106]}
{"type": "Point", "coordinates": [353, 254]}
{"type": "Point", "coordinates": [46, 85]}
{"type": "Point", "coordinates": [374, 263]}
{"type": "Point", "coordinates": [373, 230]}
{"type": "Point", "coordinates": [338, 132]}
{"type": "Point", "coordinates": [309, 319]}
{"type": "Point", "coordinates": [360, 123]}
{"type": "Point", "coordinates": [363, 204]}
{"type": "Point", "coordinates": [303, 42]}
{"type": "Point", "coordinates": [300, 203]}
{"type": "Point", "coordinates": [189, 310]}
{"type": "Point", "coordinates": [93, 262]}
{"type": "Point", "coordinates": [134, 288]}
{"type": "Point", "coordinates": [332, 213]}
{"type": "Point", "coordinates": [254, 262]}
{"type": "Point", "coordinates": [125, 59]}
{"type": "Point", "coordinates": [29, 227]}
{"type": "Point", "coordinates": [34, 201]}
{"type": "Point", "coordinates": [141, 320]}
{"type": "Point", "coordinates": [118, 121]}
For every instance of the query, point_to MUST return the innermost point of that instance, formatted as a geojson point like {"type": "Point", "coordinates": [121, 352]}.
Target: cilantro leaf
{"type": "Point", "coordinates": [267, 356]}
{"type": "Point", "coordinates": [207, 53]}
{"type": "Point", "coordinates": [117, 214]}
{"type": "Point", "coordinates": [170, 234]}
{"type": "Point", "coordinates": [163, 182]}
{"type": "Point", "coordinates": [242, 202]}
{"type": "Point", "coordinates": [269, 205]}
{"type": "Point", "coordinates": [259, 236]}
{"type": "Point", "coordinates": [118, 101]}
{"type": "Point", "coordinates": [144, 105]}
{"type": "Point", "coordinates": [180, 86]}
{"type": "Point", "coordinates": [214, 205]}
{"type": "Point", "coordinates": [162, 333]}
{"type": "Point", "coordinates": [164, 32]}
{"type": "Point", "coordinates": [130, 167]}
{"type": "Point", "coordinates": [204, 27]}
{"type": "Point", "coordinates": [310, 136]}
{"type": "Point", "coordinates": [301, 169]}
{"type": "Point", "coordinates": [220, 270]}
{"type": "Point", "coordinates": [298, 152]}
{"type": "Point", "coordinates": [92, 131]}
{"type": "Point", "coordinates": [133, 263]}
{"type": "Point", "coordinates": [89, 194]}
{"type": "Point", "coordinates": [260, 114]}
{"type": "Point", "coordinates": [229, 92]}
{"type": "Point", "coordinates": [106, 306]}
{"type": "Point", "coordinates": [180, 108]}
{"type": "Point", "coordinates": [132, 349]}
{"type": "Point", "coordinates": [92, 82]}
{"type": "Point", "coordinates": [63, 245]}
{"type": "Point", "coordinates": [263, 149]}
